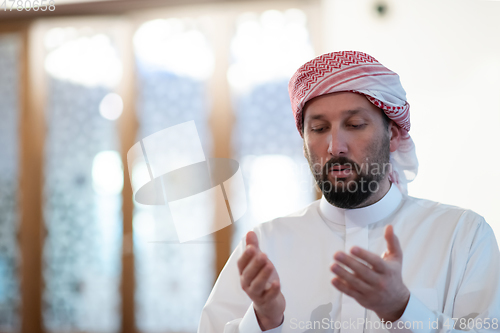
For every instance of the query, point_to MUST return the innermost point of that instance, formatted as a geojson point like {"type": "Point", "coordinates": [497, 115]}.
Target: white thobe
{"type": "Point", "coordinates": [451, 264]}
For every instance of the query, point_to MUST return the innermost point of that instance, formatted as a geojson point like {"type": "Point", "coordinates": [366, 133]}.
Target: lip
{"type": "Point", "coordinates": [341, 173]}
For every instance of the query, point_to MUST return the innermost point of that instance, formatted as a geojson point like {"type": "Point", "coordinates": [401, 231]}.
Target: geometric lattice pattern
{"type": "Point", "coordinates": [10, 47]}
{"type": "Point", "coordinates": [173, 280]}
{"type": "Point", "coordinates": [265, 127]}
{"type": "Point", "coordinates": [82, 250]}
{"type": "Point", "coordinates": [264, 122]}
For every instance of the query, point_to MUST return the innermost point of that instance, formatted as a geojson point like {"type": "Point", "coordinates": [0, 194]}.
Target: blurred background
{"type": "Point", "coordinates": [82, 81]}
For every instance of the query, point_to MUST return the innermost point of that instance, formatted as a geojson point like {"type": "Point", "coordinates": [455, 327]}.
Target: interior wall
{"type": "Point", "coordinates": [448, 57]}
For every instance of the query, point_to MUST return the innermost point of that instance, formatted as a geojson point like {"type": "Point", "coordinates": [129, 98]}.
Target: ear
{"type": "Point", "coordinates": [395, 136]}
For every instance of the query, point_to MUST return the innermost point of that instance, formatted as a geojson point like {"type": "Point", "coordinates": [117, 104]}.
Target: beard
{"type": "Point", "coordinates": [352, 193]}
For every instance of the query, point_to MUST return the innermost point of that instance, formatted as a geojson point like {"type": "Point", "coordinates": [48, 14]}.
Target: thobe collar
{"type": "Point", "coordinates": [365, 215]}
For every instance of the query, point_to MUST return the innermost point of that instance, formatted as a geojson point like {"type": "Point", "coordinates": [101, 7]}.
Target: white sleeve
{"type": "Point", "coordinates": [228, 308]}
{"type": "Point", "coordinates": [477, 302]}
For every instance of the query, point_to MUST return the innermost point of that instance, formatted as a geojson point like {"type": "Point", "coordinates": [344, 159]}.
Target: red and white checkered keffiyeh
{"type": "Point", "coordinates": [360, 73]}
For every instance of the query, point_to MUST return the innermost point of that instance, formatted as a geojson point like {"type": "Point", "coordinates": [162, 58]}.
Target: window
{"type": "Point", "coordinates": [83, 182]}
{"type": "Point", "coordinates": [266, 50]}
{"type": "Point", "coordinates": [10, 50]}
{"type": "Point", "coordinates": [174, 61]}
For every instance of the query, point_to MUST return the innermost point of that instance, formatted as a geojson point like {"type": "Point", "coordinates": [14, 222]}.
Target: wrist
{"type": "Point", "coordinates": [268, 322]}
{"type": "Point", "coordinates": [395, 314]}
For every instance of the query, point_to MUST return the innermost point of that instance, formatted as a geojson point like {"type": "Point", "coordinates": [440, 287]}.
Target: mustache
{"type": "Point", "coordinates": [338, 161]}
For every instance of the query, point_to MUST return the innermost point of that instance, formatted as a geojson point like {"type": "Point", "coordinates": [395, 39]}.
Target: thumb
{"type": "Point", "coordinates": [252, 239]}
{"type": "Point", "coordinates": [393, 246]}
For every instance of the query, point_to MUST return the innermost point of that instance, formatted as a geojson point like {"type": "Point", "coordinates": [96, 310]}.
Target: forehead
{"type": "Point", "coordinates": [347, 113]}
{"type": "Point", "coordinates": [338, 104]}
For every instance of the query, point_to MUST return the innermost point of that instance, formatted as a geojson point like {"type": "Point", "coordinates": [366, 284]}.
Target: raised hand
{"type": "Point", "coordinates": [377, 286]}
{"type": "Point", "coordinates": [260, 281]}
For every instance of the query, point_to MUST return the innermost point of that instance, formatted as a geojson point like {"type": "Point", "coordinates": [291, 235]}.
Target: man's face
{"type": "Point", "coordinates": [347, 145]}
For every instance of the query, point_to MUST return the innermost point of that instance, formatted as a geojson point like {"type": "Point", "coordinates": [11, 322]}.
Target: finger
{"type": "Point", "coordinates": [257, 287]}
{"type": "Point", "coordinates": [393, 245]}
{"type": "Point", "coordinates": [253, 268]}
{"type": "Point", "coordinates": [252, 239]}
{"type": "Point", "coordinates": [272, 292]}
{"type": "Point", "coordinates": [344, 288]}
{"type": "Point", "coordinates": [360, 270]}
{"type": "Point", "coordinates": [245, 258]}
{"type": "Point", "coordinates": [268, 285]}
{"type": "Point", "coordinates": [350, 279]}
{"type": "Point", "coordinates": [378, 264]}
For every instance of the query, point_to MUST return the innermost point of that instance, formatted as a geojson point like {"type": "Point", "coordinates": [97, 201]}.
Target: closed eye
{"type": "Point", "coordinates": [317, 129]}
{"type": "Point", "coordinates": [356, 126]}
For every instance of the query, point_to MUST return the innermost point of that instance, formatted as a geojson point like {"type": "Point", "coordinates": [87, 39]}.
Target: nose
{"type": "Point", "coordinates": [337, 144]}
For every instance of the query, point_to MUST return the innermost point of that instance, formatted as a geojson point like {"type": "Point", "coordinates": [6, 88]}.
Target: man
{"type": "Point", "coordinates": [337, 265]}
